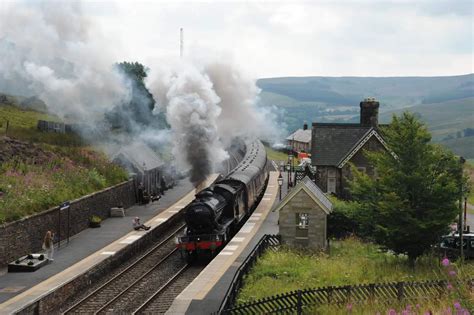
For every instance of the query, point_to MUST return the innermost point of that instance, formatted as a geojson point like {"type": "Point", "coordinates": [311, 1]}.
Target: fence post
{"type": "Point", "coordinates": [299, 307]}
{"type": "Point", "coordinates": [400, 292]}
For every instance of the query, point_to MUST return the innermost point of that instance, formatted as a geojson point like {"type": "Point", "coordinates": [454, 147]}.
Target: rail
{"type": "Point", "coordinates": [120, 274]}
{"type": "Point", "coordinates": [142, 307]}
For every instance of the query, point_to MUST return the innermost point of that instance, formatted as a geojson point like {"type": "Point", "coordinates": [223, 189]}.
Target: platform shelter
{"type": "Point", "coordinates": [303, 216]}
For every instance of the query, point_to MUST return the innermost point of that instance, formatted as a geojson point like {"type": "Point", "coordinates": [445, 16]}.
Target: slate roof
{"type": "Point", "coordinates": [138, 154]}
{"type": "Point", "coordinates": [332, 142]}
{"type": "Point", "coordinates": [300, 135]}
{"type": "Point", "coordinates": [312, 190]}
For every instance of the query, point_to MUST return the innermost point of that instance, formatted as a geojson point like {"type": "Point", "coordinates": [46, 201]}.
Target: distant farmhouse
{"type": "Point", "coordinates": [335, 146]}
{"type": "Point", "coordinates": [300, 140]}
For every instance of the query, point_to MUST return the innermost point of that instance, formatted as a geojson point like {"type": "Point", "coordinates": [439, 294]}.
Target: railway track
{"type": "Point", "coordinates": [131, 283]}
{"type": "Point", "coordinates": [161, 300]}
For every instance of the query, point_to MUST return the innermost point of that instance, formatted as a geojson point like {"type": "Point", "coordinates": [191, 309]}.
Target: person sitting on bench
{"type": "Point", "coordinates": [138, 226]}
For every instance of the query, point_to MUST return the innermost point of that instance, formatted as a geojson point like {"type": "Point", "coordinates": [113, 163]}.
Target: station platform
{"type": "Point", "coordinates": [205, 294]}
{"type": "Point", "coordinates": [89, 248]}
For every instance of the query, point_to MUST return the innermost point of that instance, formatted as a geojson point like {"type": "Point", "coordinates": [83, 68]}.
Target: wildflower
{"type": "Point", "coordinates": [417, 305]}
{"type": "Point", "coordinates": [349, 307]}
{"type": "Point", "coordinates": [452, 273]}
{"type": "Point", "coordinates": [445, 262]}
{"type": "Point", "coordinates": [392, 312]}
{"type": "Point", "coordinates": [450, 286]}
{"type": "Point", "coordinates": [457, 305]}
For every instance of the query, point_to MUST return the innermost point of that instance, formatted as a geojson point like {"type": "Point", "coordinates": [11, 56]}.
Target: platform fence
{"type": "Point", "coordinates": [267, 241]}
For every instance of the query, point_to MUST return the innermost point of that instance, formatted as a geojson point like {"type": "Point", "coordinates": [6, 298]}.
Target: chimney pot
{"type": "Point", "coordinates": [305, 126]}
{"type": "Point", "coordinates": [369, 112]}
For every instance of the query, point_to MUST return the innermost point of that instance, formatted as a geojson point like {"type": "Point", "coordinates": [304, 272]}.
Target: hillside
{"type": "Point", "coordinates": [446, 104]}
{"type": "Point", "coordinates": [39, 170]}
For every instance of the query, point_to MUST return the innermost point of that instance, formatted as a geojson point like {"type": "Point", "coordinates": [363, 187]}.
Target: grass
{"type": "Point", "coordinates": [54, 168]}
{"type": "Point", "coordinates": [279, 156]}
{"type": "Point", "coordinates": [350, 262]}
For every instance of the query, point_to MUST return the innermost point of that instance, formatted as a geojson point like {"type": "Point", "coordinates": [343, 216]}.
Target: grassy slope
{"type": "Point", "coordinates": [56, 168]}
{"type": "Point", "coordinates": [443, 118]}
{"type": "Point", "coordinates": [350, 262]}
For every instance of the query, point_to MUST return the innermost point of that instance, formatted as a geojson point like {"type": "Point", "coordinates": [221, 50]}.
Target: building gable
{"type": "Point", "coordinates": [312, 191]}
{"type": "Point", "coordinates": [372, 133]}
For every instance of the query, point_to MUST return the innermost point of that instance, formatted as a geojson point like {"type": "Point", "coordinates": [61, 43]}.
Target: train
{"type": "Point", "coordinates": [218, 211]}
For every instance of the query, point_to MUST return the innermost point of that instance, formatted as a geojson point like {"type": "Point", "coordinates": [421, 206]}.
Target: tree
{"type": "Point", "coordinates": [138, 112]}
{"type": "Point", "coordinates": [412, 201]}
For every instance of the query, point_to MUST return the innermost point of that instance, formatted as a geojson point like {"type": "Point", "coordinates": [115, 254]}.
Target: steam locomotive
{"type": "Point", "coordinates": [217, 212]}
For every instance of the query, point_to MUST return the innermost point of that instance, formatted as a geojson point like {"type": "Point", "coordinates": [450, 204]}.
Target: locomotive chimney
{"type": "Point", "coordinates": [369, 112]}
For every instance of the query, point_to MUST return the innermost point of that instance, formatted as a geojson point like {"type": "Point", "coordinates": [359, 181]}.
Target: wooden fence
{"type": "Point", "coordinates": [265, 242]}
{"type": "Point", "coordinates": [297, 301]}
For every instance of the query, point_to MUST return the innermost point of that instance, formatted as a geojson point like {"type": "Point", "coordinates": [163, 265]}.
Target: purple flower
{"type": "Point", "coordinates": [408, 307]}
{"type": "Point", "coordinates": [445, 262]}
{"type": "Point", "coordinates": [349, 307]}
{"type": "Point", "coordinates": [452, 273]}
{"type": "Point", "coordinates": [450, 287]}
{"type": "Point", "coordinates": [457, 305]}
{"type": "Point", "coordinates": [392, 312]}
{"type": "Point", "coordinates": [417, 305]}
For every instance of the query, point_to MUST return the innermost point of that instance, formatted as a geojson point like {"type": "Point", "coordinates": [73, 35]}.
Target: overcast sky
{"type": "Point", "coordinates": [291, 38]}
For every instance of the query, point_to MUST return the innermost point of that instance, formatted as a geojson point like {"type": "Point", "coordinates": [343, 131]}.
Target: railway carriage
{"type": "Point", "coordinates": [216, 213]}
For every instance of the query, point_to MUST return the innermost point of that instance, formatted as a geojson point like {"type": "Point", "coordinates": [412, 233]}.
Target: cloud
{"type": "Point", "coordinates": [304, 38]}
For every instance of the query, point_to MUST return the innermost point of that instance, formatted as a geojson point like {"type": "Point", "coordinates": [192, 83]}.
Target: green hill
{"type": "Point", "coordinates": [446, 104]}
{"type": "Point", "coordinates": [39, 170]}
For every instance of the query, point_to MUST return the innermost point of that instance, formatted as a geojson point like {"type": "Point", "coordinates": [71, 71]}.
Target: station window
{"type": "Point", "coordinates": [302, 220]}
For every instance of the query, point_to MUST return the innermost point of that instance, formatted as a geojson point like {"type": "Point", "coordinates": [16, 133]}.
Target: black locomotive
{"type": "Point", "coordinates": [216, 213]}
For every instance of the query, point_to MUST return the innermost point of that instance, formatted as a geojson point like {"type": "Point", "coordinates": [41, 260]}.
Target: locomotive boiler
{"type": "Point", "coordinates": [217, 212]}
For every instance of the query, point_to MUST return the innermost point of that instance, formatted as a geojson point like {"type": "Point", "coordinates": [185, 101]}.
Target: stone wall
{"type": "Point", "coordinates": [302, 203]}
{"type": "Point", "coordinates": [26, 235]}
{"type": "Point", "coordinates": [55, 302]}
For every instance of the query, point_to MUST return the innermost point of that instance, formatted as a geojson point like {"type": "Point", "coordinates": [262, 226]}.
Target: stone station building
{"type": "Point", "coordinates": [335, 146]}
{"type": "Point", "coordinates": [303, 216]}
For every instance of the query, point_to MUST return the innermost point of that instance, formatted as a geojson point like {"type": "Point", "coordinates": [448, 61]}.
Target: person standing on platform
{"type": "Point", "coordinates": [48, 245]}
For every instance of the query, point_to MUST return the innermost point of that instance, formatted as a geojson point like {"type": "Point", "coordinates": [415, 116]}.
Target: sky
{"type": "Point", "coordinates": [293, 38]}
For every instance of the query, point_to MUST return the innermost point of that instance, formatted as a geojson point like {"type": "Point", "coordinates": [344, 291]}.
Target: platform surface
{"type": "Point", "coordinates": [90, 247]}
{"type": "Point", "coordinates": [205, 294]}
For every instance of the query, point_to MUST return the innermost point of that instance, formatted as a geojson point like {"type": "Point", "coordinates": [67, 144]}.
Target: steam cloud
{"type": "Point", "coordinates": [49, 50]}
{"type": "Point", "coordinates": [62, 58]}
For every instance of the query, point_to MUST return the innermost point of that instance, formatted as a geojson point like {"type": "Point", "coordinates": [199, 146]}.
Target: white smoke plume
{"type": "Point", "coordinates": [49, 49]}
{"type": "Point", "coordinates": [208, 104]}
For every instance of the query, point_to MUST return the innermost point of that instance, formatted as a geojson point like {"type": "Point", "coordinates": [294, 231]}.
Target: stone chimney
{"type": "Point", "coordinates": [369, 112]}
{"type": "Point", "coordinates": [305, 126]}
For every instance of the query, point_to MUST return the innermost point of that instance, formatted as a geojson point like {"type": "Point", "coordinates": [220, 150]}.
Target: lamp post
{"type": "Point", "coordinates": [290, 161]}
{"type": "Point", "coordinates": [280, 183]}
{"type": "Point", "coordinates": [461, 214]}
{"type": "Point", "coordinates": [288, 168]}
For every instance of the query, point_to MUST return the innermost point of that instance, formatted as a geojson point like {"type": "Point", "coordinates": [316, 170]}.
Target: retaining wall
{"type": "Point", "coordinates": [52, 302]}
{"type": "Point", "coordinates": [25, 236]}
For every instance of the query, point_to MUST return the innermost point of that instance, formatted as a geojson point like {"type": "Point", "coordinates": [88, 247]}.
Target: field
{"type": "Point", "coordinates": [350, 262]}
{"type": "Point", "coordinates": [39, 170]}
